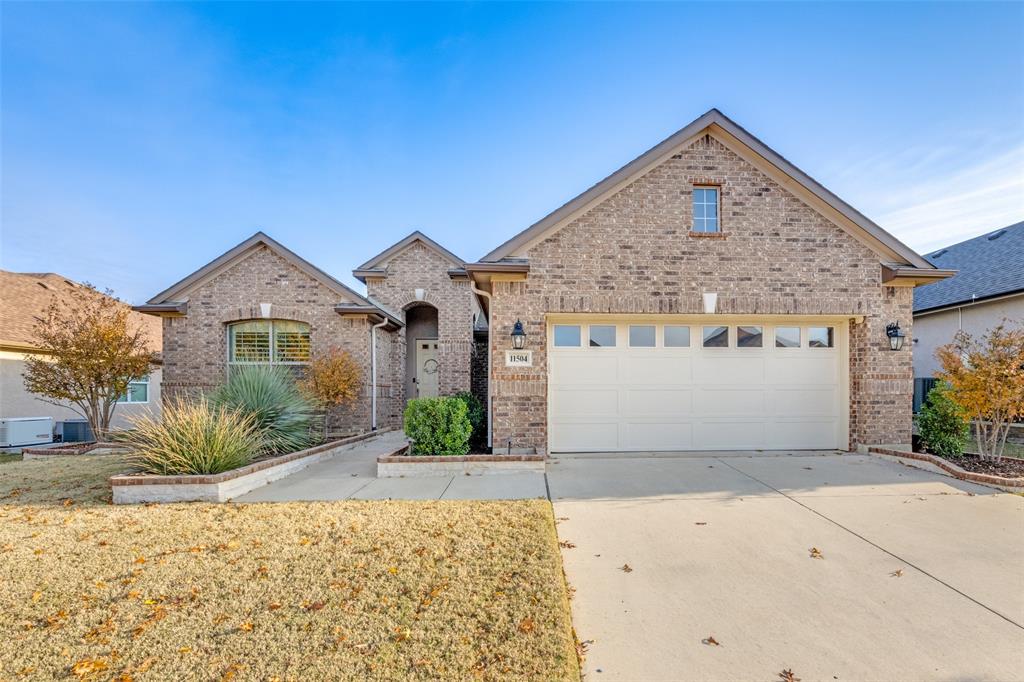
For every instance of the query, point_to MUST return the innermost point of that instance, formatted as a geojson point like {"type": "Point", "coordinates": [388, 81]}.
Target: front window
{"type": "Point", "coordinates": [138, 392]}
{"type": "Point", "coordinates": [268, 342]}
{"type": "Point", "coordinates": [567, 335]}
{"type": "Point", "coordinates": [749, 337]}
{"type": "Point", "coordinates": [705, 209]}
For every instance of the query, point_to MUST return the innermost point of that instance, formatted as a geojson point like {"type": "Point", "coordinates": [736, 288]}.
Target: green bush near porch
{"type": "Point", "coordinates": [438, 426]}
{"type": "Point", "coordinates": [944, 426]}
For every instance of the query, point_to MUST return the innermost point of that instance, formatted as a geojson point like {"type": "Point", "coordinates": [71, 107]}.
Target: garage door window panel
{"type": "Point", "coordinates": [567, 336]}
{"type": "Point", "coordinates": [716, 337]}
{"type": "Point", "coordinates": [677, 336]}
{"type": "Point", "coordinates": [821, 337]}
{"type": "Point", "coordinates": [787, 337]}
{"type": "Point", "coordinates": [602, 336]}
{"type": "Point", "coordinates": [749, 337]}
{"type": "Point", "coordinates": [642, 335]}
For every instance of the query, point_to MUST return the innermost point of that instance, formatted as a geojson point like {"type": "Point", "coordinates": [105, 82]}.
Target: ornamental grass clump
{"type": "Point", "coordinates": [193, 437]}
{"type": "Point", "coordinates": [438, 426]}
{"type": "Point", "coordinates": [285, 418]}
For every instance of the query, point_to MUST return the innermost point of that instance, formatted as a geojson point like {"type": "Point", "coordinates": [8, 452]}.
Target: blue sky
{"type": "Point", "coordinates": [139, 141]}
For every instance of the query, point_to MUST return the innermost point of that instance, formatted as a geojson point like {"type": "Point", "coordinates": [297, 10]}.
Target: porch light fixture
{"type": "Point", "coordinates": [895, 334]}
{"type": "Point", "coordinates": [518, 335]}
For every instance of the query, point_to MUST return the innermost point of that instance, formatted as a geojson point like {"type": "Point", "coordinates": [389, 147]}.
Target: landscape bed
{"type": "Point", "coordinates": [340, 590]}
{"type": "Point", "coordinates": [949, 467]}
{"type": "Point", "coordinates": [137, 488]}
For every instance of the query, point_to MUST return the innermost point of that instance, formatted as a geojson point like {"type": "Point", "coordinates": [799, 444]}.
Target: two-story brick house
{"type": "Point", "coordinates": [706, 296]}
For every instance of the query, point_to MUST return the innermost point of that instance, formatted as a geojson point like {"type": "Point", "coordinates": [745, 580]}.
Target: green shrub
{"type": "Point", "coordinates": [285, 417]}
{"type": "Point", "coordinates": [477, 419]}
{"type": "Point", "coordinates": [944, 426]}
{"type": "Point", "coordinates": [193, 438]}
{"type": "Point", "coordinates": [438, 426]}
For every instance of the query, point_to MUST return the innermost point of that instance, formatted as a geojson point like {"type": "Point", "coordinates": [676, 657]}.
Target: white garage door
{"type": "Point", "coordinates": [649, 385]}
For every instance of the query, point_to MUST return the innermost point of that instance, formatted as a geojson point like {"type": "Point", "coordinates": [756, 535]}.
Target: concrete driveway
{"type": "Point", "coordinates": [921, 576]}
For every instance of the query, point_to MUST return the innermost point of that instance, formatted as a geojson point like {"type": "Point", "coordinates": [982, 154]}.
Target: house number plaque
{"type": "Point", "coordinates": [519, 358]}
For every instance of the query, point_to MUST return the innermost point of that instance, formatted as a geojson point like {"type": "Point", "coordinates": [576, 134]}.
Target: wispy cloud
{"type": "Point", "coordinates": [931, 196]}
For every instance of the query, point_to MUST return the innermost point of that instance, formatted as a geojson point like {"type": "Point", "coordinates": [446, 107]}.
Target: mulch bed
{"type": "Point", "coordinates": [1011, 467]}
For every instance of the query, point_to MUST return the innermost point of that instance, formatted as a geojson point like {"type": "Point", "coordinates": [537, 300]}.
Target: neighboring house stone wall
{"type": "Point", "coordinates": [632, 254]}
{"type": "Point", "coordinates": [195, 346]}
{"type": "Point", "coordinates": [421, 267]}
{"type": "Point", "coordinates": [932, 330]}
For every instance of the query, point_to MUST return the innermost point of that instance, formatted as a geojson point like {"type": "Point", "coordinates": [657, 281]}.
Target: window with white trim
{"type": "Point", "coordinates": [268, 342]}
{"type": "Point", "coordinates": [138, 392]}
{"type": "Point", "coordinates": [705, 209]}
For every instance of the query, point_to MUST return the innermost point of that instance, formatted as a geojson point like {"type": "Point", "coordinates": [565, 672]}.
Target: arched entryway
{"type": "Point", "coordinates": [421, 346]}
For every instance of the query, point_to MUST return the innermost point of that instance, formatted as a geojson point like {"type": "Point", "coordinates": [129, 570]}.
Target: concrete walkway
{"type": "Point", "coordinates": [920, 577]}
{"type": "Point", "coordinates": [351, 474]}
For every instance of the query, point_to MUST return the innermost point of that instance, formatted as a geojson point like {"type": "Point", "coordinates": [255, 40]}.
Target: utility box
{"type": "Point", "coordinates": [75, 431]}
{"type": "Point", "coordinates": [19, 431]}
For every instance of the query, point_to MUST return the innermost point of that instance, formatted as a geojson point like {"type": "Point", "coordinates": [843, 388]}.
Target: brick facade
{"type": "Point", "coordinates": [421, 267]}
{"type": "Point", "coordinates": [195, 345]}
{"type": "Point", "coordinates": [632, 253]}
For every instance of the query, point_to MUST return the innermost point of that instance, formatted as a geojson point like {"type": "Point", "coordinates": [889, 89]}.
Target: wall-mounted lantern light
{"type": "Point", "coordinates": [518, 335]}
{"type": "Point", "coordinates": [895, 334]}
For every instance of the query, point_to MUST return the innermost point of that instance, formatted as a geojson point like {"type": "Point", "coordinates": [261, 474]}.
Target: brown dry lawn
{"type": "Point", "coordinates": [342, 590]}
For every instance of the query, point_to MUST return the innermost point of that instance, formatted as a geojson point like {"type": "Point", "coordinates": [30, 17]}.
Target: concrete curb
{"type": "Point", "coordinates": [910, 458]}
{"type": "Point", "coordinates": [137, 488]}
{"type": "Point", "coordinates": [413, 466]}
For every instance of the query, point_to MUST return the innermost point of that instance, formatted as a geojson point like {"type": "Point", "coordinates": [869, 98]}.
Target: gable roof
{"type": "Point", "coordinates": [890, 248]}
{"type": "Point", "coordinates": [375, 266]}
{"type": "Point", "coordinates": [990, 265]}
{"type": "Point", "coordinates": [171, 296]}
{"type": "Point", "coordinates": [25, 296]}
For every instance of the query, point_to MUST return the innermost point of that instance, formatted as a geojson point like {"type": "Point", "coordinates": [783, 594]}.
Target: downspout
{"type": "Point", "coordinates": [373, 373]}
{"type": "Point", "coordinates": [481, 292]}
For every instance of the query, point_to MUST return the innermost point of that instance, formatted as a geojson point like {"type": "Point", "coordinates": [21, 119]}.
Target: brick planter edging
{"type": "Point", "coordinates": [72, 449]}
{"type": "Point", "coordinates": [950, 468]}
{"type": "Point", "coordinates": [134, 488]}
{"type": "Point", "coordinates": [396, 465]}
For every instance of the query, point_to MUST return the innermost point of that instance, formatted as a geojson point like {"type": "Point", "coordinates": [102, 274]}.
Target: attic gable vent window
{"type": "Point", "coordinates": [705, 209]}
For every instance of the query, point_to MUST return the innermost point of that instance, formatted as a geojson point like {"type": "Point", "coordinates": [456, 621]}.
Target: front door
{"type": "Point", "coordinates": [426, 368]}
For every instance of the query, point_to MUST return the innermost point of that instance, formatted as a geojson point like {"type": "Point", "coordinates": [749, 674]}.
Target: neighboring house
{"type": "Point", "coordinates": [24, 297]}
{"type": "Point", "coordinates": [987, 288]}
{"type": "Point", "coordinates": [706, 296]}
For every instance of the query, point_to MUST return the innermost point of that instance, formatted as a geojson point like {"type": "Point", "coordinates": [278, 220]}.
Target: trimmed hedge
{"type": "Point", "coordinates": [438, 426]}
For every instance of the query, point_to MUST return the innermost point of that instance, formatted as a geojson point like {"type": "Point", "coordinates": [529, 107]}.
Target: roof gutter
{"type": "Point", "coordinates": [172, 309]}
{"type": "Point", "coordinates": [896, 275]}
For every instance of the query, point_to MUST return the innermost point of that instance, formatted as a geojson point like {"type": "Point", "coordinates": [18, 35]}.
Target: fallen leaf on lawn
{"type": "Point", "coordinates": [393, 570]}
{"type": "Point", "coordinates": [565, 544]}
{"type": "Point", "coordinates": [788, 676]}
{"type": "Point", "coordinates": [185, 650]}
{"type": "Point", "coordinates": [626, 568]}
{"type": "Point", "coordinates": [245, 627]}
{"type": "Point", "coordinates": [304, 541]}
{"type": "Point", "coordinates": [315, 606]}
{"type": "Point", "coordinates": [274, 605]}
{"type": "Point", "coordinates": [68, 502]}
{"type": "Point", "coordinates": [36, 596]}
{"type": "Point", "coordinates": [526, 626]}
{"type": "Point", "coordinates": [816, 553]}
{"type": "Point", "coordinates": [711, 641]}
{"type": "Point", "coordinates": [88, 666]}
{"type": "Point", "coordinates": [898, 573]}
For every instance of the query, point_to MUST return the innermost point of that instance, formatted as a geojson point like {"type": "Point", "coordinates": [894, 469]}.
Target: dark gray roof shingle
{"type": "Point", "coordinates": [989, 265]}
